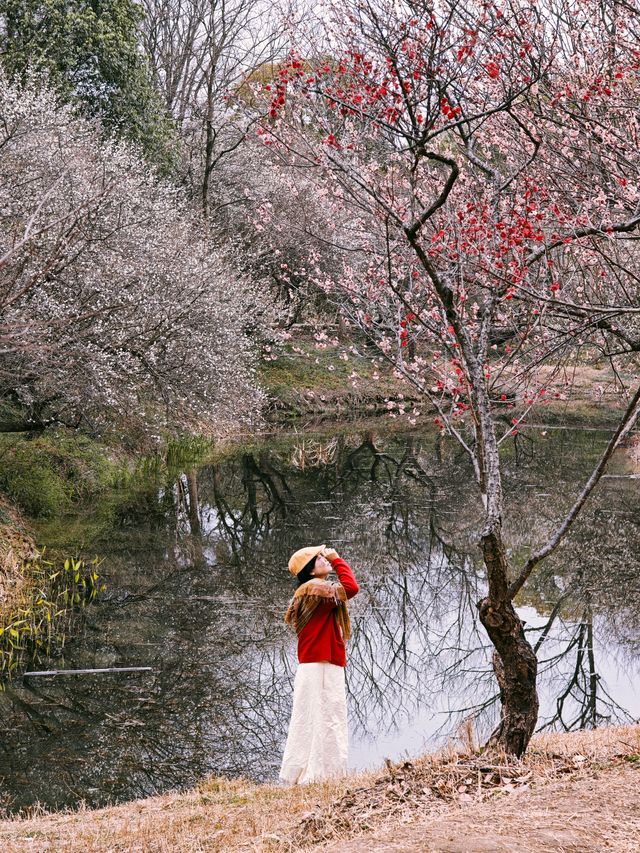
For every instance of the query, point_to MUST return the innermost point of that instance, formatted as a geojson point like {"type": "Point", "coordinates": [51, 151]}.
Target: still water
{"type": "Point", "coordinates": [195, 567]}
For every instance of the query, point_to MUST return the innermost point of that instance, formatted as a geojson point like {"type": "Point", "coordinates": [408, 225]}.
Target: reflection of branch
{"type": "Point", "coordinates": [254, 514]}
{"type": "Point", "coordinates": [584, 686]}
{"type": "Point", "coordinates": [624, 427]}
{"type": "Point", "coordinates": [552, 618]}
{"type": "Point", "coordinates": [574, 683]}
{"type": "Point", "coordinates": [368, 445]}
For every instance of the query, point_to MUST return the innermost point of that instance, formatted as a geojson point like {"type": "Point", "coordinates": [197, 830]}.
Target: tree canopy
{"type": "Point", "coordinates": [89, 51]}
{"type": "Point", "coordinates": [116, 307]}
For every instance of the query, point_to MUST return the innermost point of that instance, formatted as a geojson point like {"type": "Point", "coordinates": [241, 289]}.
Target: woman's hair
{"type": "Point", "coordinates": [304, 574]}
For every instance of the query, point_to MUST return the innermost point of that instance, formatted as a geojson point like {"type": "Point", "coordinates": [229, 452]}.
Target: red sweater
{"type": "Point", "coordinates": [321, 638]}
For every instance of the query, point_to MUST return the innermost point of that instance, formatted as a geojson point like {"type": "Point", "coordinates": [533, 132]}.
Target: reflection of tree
{"type": "Point", "coordinates": [579, 688]}
{"type": "Point", "coordinates": [582, 686]}
{"type": "Point", "coordinates": [246, 501]}
{"type": "Point", "coordinates": [200, 595]}
{"type": "Point", "coordinates": [193, 508]}
{"type": "Point", "coordinates": [601, 589]}
{"type": "Point", "coordinates": [581, 698]}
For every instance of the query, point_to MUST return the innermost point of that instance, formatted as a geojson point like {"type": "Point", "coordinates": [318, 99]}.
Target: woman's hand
{"type": "Point", "coordinates": [330, 554]}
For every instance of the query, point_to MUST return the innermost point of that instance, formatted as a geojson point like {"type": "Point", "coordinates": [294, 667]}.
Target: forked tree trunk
{"type": "Point", "coordinates": [514, 660]}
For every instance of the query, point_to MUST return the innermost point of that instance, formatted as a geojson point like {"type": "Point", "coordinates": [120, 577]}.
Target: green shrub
{"type": "Point", "coordinates": [44, 476]}
{"type": "Point", "coordinates": [37, 488]}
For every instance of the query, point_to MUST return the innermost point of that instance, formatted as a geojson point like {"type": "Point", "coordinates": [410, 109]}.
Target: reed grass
{"type": "Point", "coordinates": [36, 623]}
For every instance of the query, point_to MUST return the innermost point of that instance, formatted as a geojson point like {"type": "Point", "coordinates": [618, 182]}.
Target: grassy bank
{"type": "Point", "coordinates": [238, 816]}
{"type": "Point", "coordinates": [329, 379]}
{"type": "Point", "coordinates": [61, 492]}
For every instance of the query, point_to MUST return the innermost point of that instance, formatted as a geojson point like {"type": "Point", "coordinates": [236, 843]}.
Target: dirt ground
{"type": "Point", "coordinates": [586, 816]}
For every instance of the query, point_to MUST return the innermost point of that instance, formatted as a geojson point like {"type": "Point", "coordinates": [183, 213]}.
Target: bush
{"type": "Point", "coordinates": [44, 476]}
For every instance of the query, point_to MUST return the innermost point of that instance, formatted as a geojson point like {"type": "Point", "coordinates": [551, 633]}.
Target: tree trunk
{"type": "Point", "coordinates": [194, 508]}
{"type": "Point", "coordinates": [515, 665]}
{"type": "Point", "coordinates": [208, 148]}
{"type": "Point", "coordinates": [514, 659]}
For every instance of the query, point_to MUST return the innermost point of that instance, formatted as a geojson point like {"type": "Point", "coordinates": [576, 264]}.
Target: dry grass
{"type": "Point", "coordinates": [454, 778]}
{"type": "Point", "coordinates": [218, 816]}
{"type": "Point", "coordinates": [17, 547]}
{"type": "Point", "coordinates": [592, 814]}
{"type": "Point", "coordinates": [238, 816]}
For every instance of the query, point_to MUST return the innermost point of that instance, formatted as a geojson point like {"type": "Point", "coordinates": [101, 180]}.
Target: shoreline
{"type": "Point", "coordinates": [237, 816]}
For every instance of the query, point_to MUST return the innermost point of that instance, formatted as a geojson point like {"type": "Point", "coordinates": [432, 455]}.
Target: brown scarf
{"type": "Point", "coordinates": [312, 593]}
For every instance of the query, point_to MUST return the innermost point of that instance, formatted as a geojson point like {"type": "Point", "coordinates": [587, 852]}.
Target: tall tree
{"type": "Point", "coordinates": [201, 52]}
{"type": "Point", "coordinates": [487, 155]}
{"type": "Point", "coordinates": [89, 50]}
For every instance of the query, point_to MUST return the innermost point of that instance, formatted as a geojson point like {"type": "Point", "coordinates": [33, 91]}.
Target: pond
{"type": "Point", "coordinates": [195, 567]}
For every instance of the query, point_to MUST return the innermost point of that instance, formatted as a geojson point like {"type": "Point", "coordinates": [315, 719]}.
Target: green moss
{"type": "Point", "coordinates": [46, 475]}
{"type": "Point", "coordinates": [294, 372]}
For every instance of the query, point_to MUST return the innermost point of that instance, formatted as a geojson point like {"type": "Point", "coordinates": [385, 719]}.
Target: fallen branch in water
{"type": "Point", "coordinates": [90, 671]}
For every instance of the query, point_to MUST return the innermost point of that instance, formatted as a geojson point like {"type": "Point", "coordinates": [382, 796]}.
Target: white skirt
{"type": "Point", "coordinates": [317, 742]}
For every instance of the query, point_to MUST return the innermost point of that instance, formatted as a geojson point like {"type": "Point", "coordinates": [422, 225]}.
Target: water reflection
{"type": "Point", "coordinates": [197, 582]}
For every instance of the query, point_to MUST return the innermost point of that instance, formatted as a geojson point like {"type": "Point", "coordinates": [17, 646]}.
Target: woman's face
{"type": "Point", "coordinates": [321, 568]}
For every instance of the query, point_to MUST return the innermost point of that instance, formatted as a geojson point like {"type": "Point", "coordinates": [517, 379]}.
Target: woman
{"type": "Point", "coordinates": [316, 746]}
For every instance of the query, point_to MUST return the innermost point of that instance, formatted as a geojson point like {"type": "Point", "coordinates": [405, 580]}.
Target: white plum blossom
{"type": "Point", "coordinates": [116, 305]}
